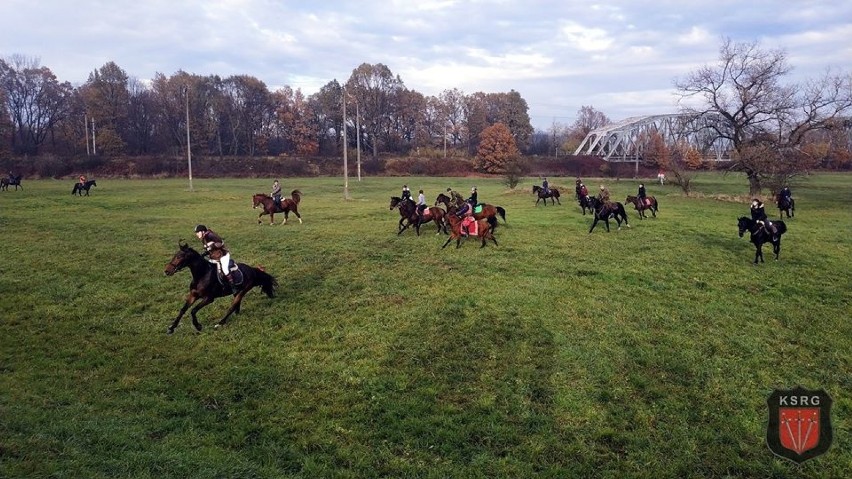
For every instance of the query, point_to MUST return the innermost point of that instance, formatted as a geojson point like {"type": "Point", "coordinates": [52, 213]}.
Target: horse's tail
{"type": "Point", "coordinates": [502, 212]}
{"type": "Point", "coordinates": [296, 195]}
{"type": "Point", "coordinates": [492, 222]}
{"type": "Point", "coordinates": [74, 190]}
{"type": "Point", "coordinates": [621, 211]}
{"type": "Point", "coordinates": [267, 282]}
{"type": "Point", "coordinates": [780, 226]}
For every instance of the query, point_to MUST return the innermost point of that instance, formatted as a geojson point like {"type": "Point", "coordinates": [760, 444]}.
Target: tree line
{"type": "Point", "coordinates": [778, 130]}
{"type": "Point", "coordinates": [114, 114]}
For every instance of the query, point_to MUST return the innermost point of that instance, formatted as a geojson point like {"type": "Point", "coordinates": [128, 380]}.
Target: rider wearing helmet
{"type": "Point", "coordinates": [215, 248]}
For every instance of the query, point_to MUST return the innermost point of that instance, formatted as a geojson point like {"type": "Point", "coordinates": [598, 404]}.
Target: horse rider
{"type": "Point", "coordinates": [406, 193]}
{"type": "Point", "coordinates": [421, 203]}
{"type": "Point", "coordinates": [787, 195]}
{"type": "Point", "coordinates": [545, 186]}
{"type": "Point", "coordinates": [455, 198]}
{"type": "Point", "coordinates": [276, 193]}
{"type": "Point", "coordinates": [215, 248]}
{"type": "Point", "coordinates": [584, 192]}
{"type": "Point", "coordinates": [758, 214]}
{"type": "Point", "coordinates": [82, 180]}
{"type": "Point", "coordinates": [465, 212]}
{"type": "Point", "coordinates": [577, 185]}
{"type": "Point", "coordinates": [473, 197]}
{"type": "Point", "coordinates": [643, 196]}
{"type": "Point", "coordinates": [603, 196]}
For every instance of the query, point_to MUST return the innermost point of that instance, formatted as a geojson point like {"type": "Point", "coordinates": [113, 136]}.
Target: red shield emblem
{"type": "Point", "coordinates": [799, 423]}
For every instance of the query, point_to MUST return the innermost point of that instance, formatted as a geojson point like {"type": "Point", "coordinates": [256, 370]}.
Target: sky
{"type": "Point", "coordinates": [620, 57]}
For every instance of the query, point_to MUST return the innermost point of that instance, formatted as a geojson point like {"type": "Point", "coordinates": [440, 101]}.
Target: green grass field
{"type": "Point", "coordinates": [645, 352]}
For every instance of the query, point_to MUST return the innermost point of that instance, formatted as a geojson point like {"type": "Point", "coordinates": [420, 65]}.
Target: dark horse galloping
{"type": "Point", "coordinates": [586, 202]}
{"type": "Point", "coordinates": [488, 212]}
{"type": "Point", "coordinates": [409, 216]}
{"type": "Point", "coordinates": [15, 181]}
{"type": "Point", "coordinates": [80, 187]}
{"type": "Point", "coordinates": [605, 211]}
{"type": "Point", "coordinates": [785, 205]}
{"type": "Point", "coordinates": [205, 285]}
{"type": "Point", "coordinates": [759, 235]}
{"type": "Point", "coordinates": [270, 207]}
{"type": "Point", "coordinates": [551, 193]}
{"type": "Point", "coordinates": [650, 203]}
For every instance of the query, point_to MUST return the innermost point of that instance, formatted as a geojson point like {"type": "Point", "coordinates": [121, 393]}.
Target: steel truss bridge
{"type": "Point", "coordinates": [625, 140]}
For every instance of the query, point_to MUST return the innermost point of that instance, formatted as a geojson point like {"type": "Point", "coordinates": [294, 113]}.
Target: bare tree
{"type": "Point", "coordinates": [767, 121]}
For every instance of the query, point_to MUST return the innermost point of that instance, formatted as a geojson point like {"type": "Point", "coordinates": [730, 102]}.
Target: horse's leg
{"type": "Point", "coordinates": [296, 212]}
{"type": "Point", "coordinates": [593, 224]}
{"type": "Point", "coordinates": [286, 217]}
{"type": "Point", "coordinates": [758, 252]}
{"type": "Point", "coordinates": [235, 305]}
{"type": "Point", "coordinates": [190, 298]}
{"type": "Point", "coordinates": [447, 242]}
{"type": "Point", "coordinates": [482, 239]}
{"type": "Point", "coordinates": [776, 248]}
{"type": "Point", "coordinates": [204, 302]}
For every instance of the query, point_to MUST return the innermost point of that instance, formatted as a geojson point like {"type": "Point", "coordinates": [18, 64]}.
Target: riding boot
{"type": "Point", "coordinates": [234, 288]}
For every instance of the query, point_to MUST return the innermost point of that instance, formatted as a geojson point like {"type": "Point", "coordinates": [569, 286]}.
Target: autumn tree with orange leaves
{"type": "Point", "coordinates": [497, 149]}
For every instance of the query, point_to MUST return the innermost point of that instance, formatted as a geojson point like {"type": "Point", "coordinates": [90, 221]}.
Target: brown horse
{"type": "Point", "coordinates": [650, 203]}
{"type": "Point", "coordinates": [270, 207]}
{"type": "Point", "coordinates": [206, 286]}
{"type": "Point", "coordinates": [552, 193]}
{"type": "Point", "coordinates": [487, 212]}
{"type": "Point", "coordinates": [484, 231]}
{"type": "Point", "coordinates": [409, 215]}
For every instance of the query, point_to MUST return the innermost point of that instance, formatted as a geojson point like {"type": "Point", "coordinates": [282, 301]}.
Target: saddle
{"type": "Point", "coordinates": [470, 225]}
{"type": "Point", "coordinates": [235, 272]}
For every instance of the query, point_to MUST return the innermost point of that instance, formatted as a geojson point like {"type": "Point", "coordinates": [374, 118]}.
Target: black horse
{"type": "Point", "coordinates": [605, 211]}
{"type": "Point", "coordinates": [79, 188]}
{"type": "Point", "coordinates": [15, 181]}
{"type": "Point", "coordinates": [785, 205]}
{"type": "Point", "coordinates": [586, 202]}
{"type": "Point", "coordinates": [206, 285]}
{"type": "Point", "coordinates": [551, 193]}
{"type": "Point", "coordinates": [760, 235]}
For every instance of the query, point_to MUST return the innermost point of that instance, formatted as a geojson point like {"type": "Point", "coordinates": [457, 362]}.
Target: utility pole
{"type": "Point", "coordinates": [345, 156]}
{"type": "Point", "coordinates": [86, 134]}
{"type": "Point", "coordinates": [358, 132]}
{"type": "Point", "coordinates": [188, 146]}
{"type": "Point", "coordinates": [94, 148]}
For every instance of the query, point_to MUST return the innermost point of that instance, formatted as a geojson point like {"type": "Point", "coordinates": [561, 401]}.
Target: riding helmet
{"type": "Point", "coordinates": [200, 228]}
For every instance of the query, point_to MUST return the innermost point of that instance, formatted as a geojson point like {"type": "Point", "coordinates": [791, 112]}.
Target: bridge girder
{"type": "Point", "coordinates": [623, 141]}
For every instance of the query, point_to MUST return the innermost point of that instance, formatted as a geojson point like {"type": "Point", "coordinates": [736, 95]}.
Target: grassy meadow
{"type": "Point", "coordinates": [645, 352]}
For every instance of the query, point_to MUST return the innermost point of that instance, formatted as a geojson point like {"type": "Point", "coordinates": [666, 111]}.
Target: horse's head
{"type": "Point", "coordinates": [630, 199]}
{"type": "Point", "coordinates": [93, 182]}
{"type": "Point", "coordinates": [257, 200]}
{"type": "Point", "coordinates": [744, 224]}
{"type": "Point", "coordinates": [182, 258]}
{"type": "Point", "coordinates": [536, 188]}
{"type": "Point", "coordinates": [394, 202]}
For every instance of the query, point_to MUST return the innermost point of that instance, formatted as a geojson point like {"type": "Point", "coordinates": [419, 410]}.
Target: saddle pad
{"type": "Point", "coordinates": [477, 208]}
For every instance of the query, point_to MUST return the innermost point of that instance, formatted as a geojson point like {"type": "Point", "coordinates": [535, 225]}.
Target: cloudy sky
{"type": "Point", "coordinates": [620, 57]}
